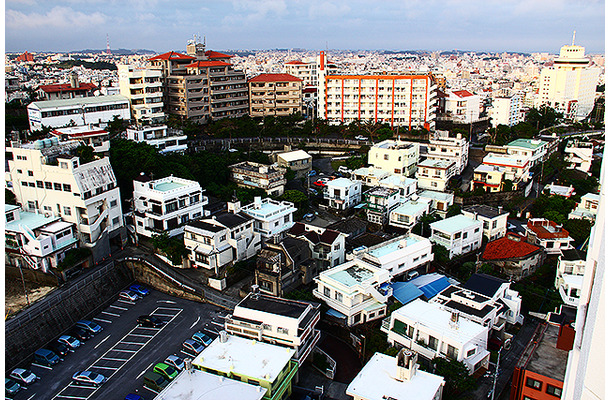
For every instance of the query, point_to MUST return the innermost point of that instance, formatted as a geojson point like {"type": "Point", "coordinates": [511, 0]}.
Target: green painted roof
{"type": "Point", "coordinates": [531, 144]}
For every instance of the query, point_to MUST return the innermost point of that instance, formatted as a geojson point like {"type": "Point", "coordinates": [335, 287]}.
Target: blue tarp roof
{"type": "Point", "coordinates": [433, 288]}
{"type": "Point", "coordinates": [335, 313]}
{"type": "Point", "coordinates": [405, 292]}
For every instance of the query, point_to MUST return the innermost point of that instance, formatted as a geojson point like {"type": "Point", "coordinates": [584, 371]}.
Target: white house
{"type": "Point", "coordinates": [499, 291]}
{"type": "Point", "coordinates": [395, 156]}
{"type": "Point", "coordinates": [587, 208]}
{"type": "Point", "coordinates": [548, 234]}
{"type": "Point", "coordinates": [406, 186]}
{"type": "Point", "coordinates": [440, 201]}
{"type": "Point", "coordinates": [356, 290]}
{"type": "Point", "coordinates": [166, 204]}
{"type": "Point", "coordinates": [472, 306]}
{"type": "Point", "coordinates": [343, 193]}
{"type": "Point", "coordinates": [327, 245]}
{"type": "Point", "coordinates": [164, 139]}
{"type": "Point", "coordinates": [488, 177]}
{"type": "Point", "coordinates": [433, 332]}
{"type": "Point", "coordinates": [579, 155]}
{"type": "Point", "coordinates": [516, 167]}
{"type": "Point", "coordinates": [443, 147]}
{"type": "Point", "coordinates": [271, 217]}
{"type": "Point", "coordinates": [463, 106]}
{"type": "Point", "coordinates": [435, 174]}
{"type": "Point", "coordinates": [494, 219]}
{"type": "Point", "coordinates": [458, 234]}
{"type": "Point", "coordinates": [560, 190]}
{"type": "Point", "coordinates": [534, 150]}
{"type": "Point", "coordinates": [209, 245]}
{"type": "Point", "coordinates": [242, 236]}
{"type": "Point", "coordinates": [409, 212]}
{"type": "Point", "coordinates": [380, 201]}
{"type": "Point", "coordinates": [89, 135]}
{"type": "Point", "coordinates": [297, 160]}
{"type": "Point", "coordinates": [369, 176]}
{"type": "Point", "coordinates": [403, 256]}
{"type": "Point", "coordinates": [570, 274]}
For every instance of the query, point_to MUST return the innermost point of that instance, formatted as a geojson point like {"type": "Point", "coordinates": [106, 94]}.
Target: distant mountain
{"type": "Point", "coordinates": [118, 52]}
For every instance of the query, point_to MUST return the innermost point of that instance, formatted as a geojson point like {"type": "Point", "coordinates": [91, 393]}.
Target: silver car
{"type": "Point", "coordinates": [24, 376]}
{"type": "Point", "coordinates": [69, 341]}
{"type": "Point", "coordinates": [88, 378]}
{"type": "Point", "coordinates": [175, 362]}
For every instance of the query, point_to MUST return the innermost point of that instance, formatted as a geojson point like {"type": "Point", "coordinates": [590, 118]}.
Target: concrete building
{"type": "Point", "coordinates": [144, 89]}
{"type": "Point", "coordinates": [458, 234]}
{"type": "Point", "coordinates": [395, 157]}
{"type": "Point", "coordinates": [463, 106]}
{"type": "Point", "coordinates": [89, 135]}
{"type": "Point", "coordinates": [443, 147]}
{"type": "Point", "coordinates": [513, 256]}
{"type": "Point", "coordinates": [275, 95]}
{"type": "Point", "coordinates": [36, 241]}
{"type": "Point", "coordinates": [431, 331]}
{"type": "Point", "coordinates": [407, 187]}
{"type": "Point", "coordinates": [488, 177]}
{"type": "Point", "coordinates": [548, 234]}
{"type": "Point", "coordinates": [506, 110]}
{"type": "Point", "coordinates": [327, 245]}
{"type": "Point", "coordinates": [440, 201]}
{"type": "Point", "coordinates": [559, 190]}
{"type": "Point", "coordinates": [385, 377]}
{"type": "Point", "coordinates": [254, 175]}
{"type": "Point", "coordinates": [298, 161]}
{"type": "Point", "coordinates": [569, 277]}
{"type": "Point", "coordinates": [77, 111]}
{"type": "Point", "coordinates": [534, 150]}
{"type": "Point", "coordinates": [282, 266]}
{"type": "Point", "coordinates": [516, 168]}
{"type": "Point", "coordinates": [63, 91]}
{"type": "Point", "coordinates": [380, 201]}
{"type": "Point", "coordinates": [164, 139]}
{"type": "Point", "coordinates": [494, 219]}
{"type": "Point", "coordinates": [369, 176]}
{"type": "Point", "coordinates": [288, 323]}
{"type": "Point", "coordinates": [499, 291]}
{"type": "Point", "coordinates": [408, 213]}
{"type": "Point", "coordinates": [579, 155]}
{"type": "Point", "coordinates": [342, 193]}
{"type": "Point", "coordinates": [271, 217]}
{"type": "Point", "coordinates": [209, 246]}
{"type": "Point", "coordinates": [52, 181]}
{"type": "Point", "coordinates": [166, 204]}
{"type": "Point", "coordinates": [435, 175]}
{"type": "Point", "coordinates": [356, 290]}
{"type": "Point", "coordinates": [569, 85]}
{"type": "Point", "coordinates": [587, 208]}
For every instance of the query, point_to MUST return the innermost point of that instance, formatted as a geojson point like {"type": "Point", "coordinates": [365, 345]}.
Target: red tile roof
{"type": "Point", "coordinates": [510, 246]}
{"type": "Point", "coordinates": [296, 62]}
{"type": "Point", "coordinates": [171, 55]}
{"type": "Point", "coordinates": [310, 90]}
{"type": "Point", "coordinates": [545, 229]}
{"type": "Point", "coordinates": [65, 87]}
{"type": "Point", "coordinates": [205, 64]}
{"type": "Point", "coordinates": [462, 93]}
{"type": "Point", "coordinates": [275, 78]}
{"type": "Point", "coordinates": [216, 54]}
{"type": "Point", "coordinates": [25, 57]}
{"type": "Point", "coordinates": [297, 229]}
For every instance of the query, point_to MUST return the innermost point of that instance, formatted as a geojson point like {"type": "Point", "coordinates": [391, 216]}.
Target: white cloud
{"type": "Point", "coordinates": [256, 10]}
{"type": "Point", "coordinates": [328, 9]}
{"type": "Point", "coordinates": [58, 17]}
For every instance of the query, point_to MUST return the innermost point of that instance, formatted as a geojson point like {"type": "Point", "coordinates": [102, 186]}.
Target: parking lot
{"type": "Point", "coordinates": [123, 351]}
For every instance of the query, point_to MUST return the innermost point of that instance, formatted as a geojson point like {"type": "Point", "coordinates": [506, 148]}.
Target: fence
{"type": "Point", "coordinates": [330, 372]}
{"type": "Point", "coordinates": [197, 145]}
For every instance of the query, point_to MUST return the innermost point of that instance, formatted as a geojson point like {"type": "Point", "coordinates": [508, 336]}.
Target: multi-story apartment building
{"type": "Point", "coordinates": [494, 219]}
{"type": "Point", "coordinates": [356, 290]}
{"type": "Point", "coordinates": [52, 181]}
{"type": "Point", "coordinates": [35, 240]}
{"type": "Point", "coordinates": [409, 212]}
{"type": "Point", "coordinates": [380, 201]}
{"type": "Point", "coordinates": [516, 168]}
{"type": "Point", "coordinates": [274, 320]}
{"type": "Point", "coordinates": [254, 175]}
{"type": "Point", "coordinates": [77, 111]}
{"type": "Point", "coordinates": [458, 234]}
{"type": "Point", "coordinates": [569, 85]}
{"type": "Point", "coordinates": [463, 106]}
{"type": "Point", "coordinates": [548, 234]}
{"type": "Point", "coordinates": [343, 193]}
{"type": "Point", "coordinates": [271, 217]}
{"type": "Point", "coordinates": [398, 99]}
{"type": "Point", "coordinates": [275, 95]}
{"type": "Point", "coordinates": [166, 204]}
{"type": "Point", "coordinates": [433, 332]}
{"type": "Point", "coordinates": [164, 139]}
{"type": "Point", "coordinates": [89, 135]}
{"type": "Point", "coordinates": [144, 89]}
{"type": "Point", "coordinates": [579, 155]}
{"type": "Point", "coordinates": [506, 110]}
{"type": "Point", "coordinates": [435, 174]}
{"type": "Point", "coordinates": [447, 148]}
{"type": "Point", "coordinates": [570, 274]}
{"type": "Point", "coordinates": [312, 71]}
{"type": "Point", "coordinates": [395, 157]}
{"type": "Point", "coordinates": [587, 208]}
{"type": "Point", "coordinates": [534, 150]}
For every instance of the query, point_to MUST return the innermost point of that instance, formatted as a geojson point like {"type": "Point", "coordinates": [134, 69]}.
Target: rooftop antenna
{"type": "Point", "coordinates": [107, 45]}
{"type": "Point", "coordinates": [573, 37]}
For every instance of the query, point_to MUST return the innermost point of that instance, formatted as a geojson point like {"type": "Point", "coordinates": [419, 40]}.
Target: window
{"type": "Point", "coordinates": [181, 203]}
{"type": "Point", "coordinates": [338, 296]}
{"type": "Point", "coordinates": [30, 173]}
{"type": "Point", "coordinates": [115, 221]}
{"type": "Point", "coordinates": [10, 217]}
{"type": "Point", "coordinates": [452, 352]}
{"type": "Point", "coordinates": [170, 207]}
{"type": "Point", "coordinates": [553, 390]}
{"type": "Point", "coordinates": [534, 384]}
{"type": "Point", "coordinates": [326, 292]}
{"type": "Point", "coordinates": [281, 330]}
{"type": "Point", "coordinates": [409, 331]}
{"type": "Point", "coordinates": [31, 184]}
{"type": "Point", "coordinates": [494, 224]}
{"type": "Point", "coordinates": [67, 187]}
{"type": "Point", "coordinates": [113, 203]}
{"type": "Point", "coordinates": [471, 352]}
{"type": "Point", "coordinates": [337, 246]}
{"type": "Point", "coordinates": [32, 205]}
{"type": "Point", "coordinates": [433, 342]}
{"type": "Point", "coordinates": [48, 185]}
{"type": "Point", "coordinates": [386, 157]}
{"type": "Point", "coordinates": [24, 183]}
{"type": "Point", "coordinates": [39, 184]}
{"type": "Point", "coordinates": [57, 186]}
{"type": "Point", "coordinates": [223, 237]}
{"type": "Point", "coordinates": [67, 211]}
{"type": "Point", "coordinates": [475, 231]}
{"type": "Point", "coordinates": [266, 327]}
{"type": "Point", "coordinates": [63, 165]}
{"type": "Point", "coordinates": [201, 258]}
{"type": "Point", "coordinates": [286, 219]}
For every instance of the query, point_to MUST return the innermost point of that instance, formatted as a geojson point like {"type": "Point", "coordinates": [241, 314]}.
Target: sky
{"type": "Point", "coordinates": [164, 25]}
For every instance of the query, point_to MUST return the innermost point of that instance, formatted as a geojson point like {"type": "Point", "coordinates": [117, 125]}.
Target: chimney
{"type": "Point", "coordinates": [73, 80]}
{"type": "Point", "coordinates": [406, 365]}
{"type": "Point", "coordinates": [500, 208]}
{"type": "Point", "coordinates": [234, 206]}
{"type": "Point", "coordinates": [223, 336]}
{"type": "Point", "coordinates": [258, 202]}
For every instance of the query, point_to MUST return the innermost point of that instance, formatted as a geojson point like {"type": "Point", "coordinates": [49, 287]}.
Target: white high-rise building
{"type": "Point", "coordinates": [506, 110]}
{"type": "Point", "coordinates": [569, 85]}
{"type": "Point", "coordinates": [144, 89]}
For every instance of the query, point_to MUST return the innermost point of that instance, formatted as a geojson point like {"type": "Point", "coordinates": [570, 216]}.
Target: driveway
{"type": "Point", "coordinates": [348, 362]}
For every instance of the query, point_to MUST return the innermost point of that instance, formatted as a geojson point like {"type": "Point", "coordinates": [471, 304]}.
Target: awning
{"type": "Point", "coordinates": [335, 313]}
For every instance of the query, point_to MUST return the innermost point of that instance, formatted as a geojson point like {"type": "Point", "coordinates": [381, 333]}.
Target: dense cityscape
{"type": "Point", "coordinates": [202, 223]}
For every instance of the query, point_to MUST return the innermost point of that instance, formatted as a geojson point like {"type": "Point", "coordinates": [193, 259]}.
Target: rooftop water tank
{"type": "Point", "coordinates": [54, 140]}
{"type": "Point", "coordinates": [39, 144]}
{"type": "Point", "coordinates": [47, 143]}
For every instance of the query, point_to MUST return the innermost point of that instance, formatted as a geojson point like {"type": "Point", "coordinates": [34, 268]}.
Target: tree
{"type": "Point", "coordinates": [422, 228]}
{"type": "Point", "coordinates": [441, 254]}
{"type": "Point", "coordinates": [507, 185]}
{"type": "Point", "coordinates": [456, 375]}
{"type": "Point", "coordinates": [556, 208]}
{"type": "Point", "coordinates": [453, 210]}
{"type": "Point", "coordinates": [172, 247]}
{"type": "Point", "coordinates": [85, 154]}
{"type": "Point", "coordinates": [580, 230]}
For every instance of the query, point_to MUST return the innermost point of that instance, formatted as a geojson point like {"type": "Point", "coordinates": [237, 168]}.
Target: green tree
{"type": "Point", "coordinates": [85, 154]}
{"type": "Point", "coordinates": [441, 254]}
{"type": "Point", "coordinates": [453, 210]}
{"type": "Point", "coordinates": [9, 197]}
{"type": "Point", "coordinates": [457, 378]}
{"type": "Point", "coordinates": [507, 185]}
{"type": "Point", "coordinates": [580, 230]}
{"type": "Point", "coordinates": [422, 227]}
{"type": "Point", "coordinates": [355, 162]}
{"type": "Point", "coordinates": [555, 207]}
{"type": "Point", "coordinates": [173, 247]}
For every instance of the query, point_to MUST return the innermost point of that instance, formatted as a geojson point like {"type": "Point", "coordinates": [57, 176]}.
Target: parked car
{"type": "Point", "coordinates": [139, 289]}
{"type": "Point", "coordinates": [319, 183]}
{"type": "Point", "coordinates": [309, 217]}
{"type": "Point", "coordinates": [175, 362]}
{"type": "Point", "coordinates": [313, 191]}
{"type": "Point", "coordinates": [46, 357]}
{"type": "Point", "coordinates": [129, 295]}
{"type": "Point", "coordinates": [154, 381]}
{"type": "Point", "coordinates": [11, 387]}
{"type": "Point", "coordinates": [80, 334]}
{"type": "Point", "coordinates": [167, 371]}
{"type": "Point", "coordinates": [89, 326]}
{"type": "Point", "coordinates": [344, 170]}
{"type": "Point", "coordinates": [88, 378]}
{"type": "Point", "coordinates": [132, 396]}
{"type": "Point", "coordinates": [202, 338]}
{"type": "Point", "coordinates": [70, 341]}
{"type": "Point", "coordinates": [24, 376]}
{"type": "Point", "coordinates": [192, 346]}
{"type": "Point", "coordinates": [312, 173]}
{"type": "Point", "coordinates": [150, 321]}
{"type": "Point", "coordinates": [360, 137]}
{"type": "Point", "coordinates": [59, 348]}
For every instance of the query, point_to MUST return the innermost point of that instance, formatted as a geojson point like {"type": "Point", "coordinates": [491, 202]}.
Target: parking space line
{"type": "Point", "coordinates": [164, 315]}
{"type": "Point", "coordinates": [100, 343]}
{"type": "Point", "coordinates": [71, 397]}
{"type": "Point", "coordinates": [102, 320]}
{"type": "Point", "coordinates": [147, 388]}
{"type": "Point", "coordinates": [100, 367]}
{"type": "Point", "coordinates": [217, 323]}
{"type": "Point", "coordinates": [168, 308]}
{"type": "Point", "coordinates": [166, 301]}
{"type": "Point", "coordinates": [126, 301]}
{"type": "Point", "coordinates": [196, 322]}
{"type": "Point", "coordinates": [148, 327]}
{"type": "Point", "coordinates": [140, 335]}
{"type": "Point", "coordinates": [125, 351]}
{"type": "Point", "coordinates": [135, 343]}
{"type": "Point", "coordinates": [112, 314]}
{"type": "Point", "coordinates": [188, 354]}
{"type": "Point", "coordinates": [41, 366]}
{"type": "Point", "coordinates": [32, 396]}
{"type": "Point", "coordinates": [114, 359]}
{"type": "Point", "coordinates": [74, 385]}
{"type": "Point", "coordinates": [145, 369]}
{"type": "Point", "coordinates": [118, 308]}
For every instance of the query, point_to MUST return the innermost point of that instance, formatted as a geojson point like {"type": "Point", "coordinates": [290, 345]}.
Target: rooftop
{"type": "Point", "coordinates": [79, 131]}
{"type": "Point", "coordinates": [206, 64]}
{"type": "Point", "coordinates": [371, 171]}
{"type": "Point", "coordinates": [544, 357]}
{"type": "Point", "coordinates": [509, 247]}
{"type": "Point", "coordinates": [245, 357]}
{"type": "Point", "coordinates": [531, 144]}
{"type": "Point", "coordinates": [484, 284]}
{"type": "Point", "coordinates": [488, 168]}
{"type": "Point", "coordinates": [172, 55]}
{"type": "Point", "coordinates": [545, 229]}
{"type": "Point", "coordinates": [274, 305]}
{"type": "Point", "coordinates": [454, 224]}
{"type": "Point", "coordinates": [231, 220]}
{"type": "Point", "coordinates": [267, 207]}
{"type": "Point", "coordinates": [66, 87]}
{"type": "Point", "coordinates": [462, 93]}
{"type": "Point", "coordinates": [485, 210]}
{"type": "Point", "coordinates": [411, 207]}
{"type": "Point", "coordinates": [80, 101]}
{"type": "Point", "coordinates": [353, 273]}
{"type": "Point", "coordinates": [398, 180]}
{"type": "Point", "coordinates": [29, 220]}
{"type": "Point", "coordinates": [294, 155]}
{"type": "Point", "coordinates": [504, 160]}
{"type": "Point", "coordinates": [167, 186]}
{"type": "Point", "coordinates": [275, 78]}
{"type": "Point", "coordinates": [377, 381]}
{"type": "Point", "coordinates": [340, 183]}
{"type": "Point", "coordinates": [431, 194]}
{"type": "Point", "coordinates": [572, 255]}
{"type": "Point", "coordinates": [394, 145]}
{"type": "Point", "coordinates": [392, 246]}
{"type": "Point", "coordinates": [438, 164]}
{"type": "Point", "coordinates": [205, 226]}
{"type": "Point", "coordinates": [381, 191]}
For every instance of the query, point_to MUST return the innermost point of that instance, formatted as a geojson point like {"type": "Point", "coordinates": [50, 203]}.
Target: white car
{"type": "Point", "coordinates": [129, 295]}
{"type": "Point", "coordinates": [175, 362]}
{"type": "Point", "coordinates": [360, 137]}
{"type": "Point", "coordinates": [24, 376]}
{"type": "Point", "coordinates": [88, 378]}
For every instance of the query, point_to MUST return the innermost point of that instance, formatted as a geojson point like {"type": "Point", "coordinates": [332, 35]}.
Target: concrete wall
{"type": "Point", "coordinates": [32, 275]}
{"type": "Point", "coordinates": [151, 278]}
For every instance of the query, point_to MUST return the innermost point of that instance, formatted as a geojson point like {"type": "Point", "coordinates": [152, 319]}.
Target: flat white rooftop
{"type": "Point", "coordinates": [245, 357]}
{"type": "Point", "coordinates": [201, 385]}
{"type": "Point", "coordinates": [340, 183]}
{"type": "Point", "coordinates": [294, 155]}
{"type": "Point", "coordinates": [454, 224]}
{"type": "Point", "coordinates": [376, 381]}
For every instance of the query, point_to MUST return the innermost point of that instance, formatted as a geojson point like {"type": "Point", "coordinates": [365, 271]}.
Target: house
{"type": "Point", "coordinates": [209, 245]}
{"type": "Point", "coordinates": [89, 135]}
{"type": "Point", "coordinates": [559, 190]}
{"type": "Point", "coordinates": [351, 227]}
{"type": "Point", "coordinates": [369, 176]}
{"type": "Point", "coordinates": [463, 106]}
{"type": "Point", "coordinates": [327, 245]}
{"type": "Point", "coordinates": [488, 177]}
{"type": "Point", "coordinates": [587, 208]}
{"type": "Point", "coordinates": [407, 214]}
{"type": "Point", "coordinates": [289, 323]}
{"type": "Point", "coordinates": [298, 161]}
{"type": "Point", "coordinates": [162, 138]}
{"type": "Point", "coordinates": [61, 91]}
{"type": "Point", "coordinates": [458, 234]}
{"type": "Point", "coordinates": [282, 266]}
{"type": "Point", "coordinates": [548, 234]}
{"type": "Point", "coordinates": [431, 331]}
{"type": "Point", "coordinates": [435, 174]}
{"type": "Point", "coordinates": [385, 377]}
{"type": "Point", "coordinates": [494, 219]}
{"type": "Point", "coordinates": [403, 256]}
{"type": "Point", "coordinates": [570, 274]}
{"type": "Point", "coordinates": [443, 147]}
{"type": "Point", "coordinates": [516, 167]}
{"type": "Point", "coordinates": [255, 362]}
{"type": "Point", "coordinates": [499, 291]}
{"type": "Point", "coordinates": [513, 256]}
{"type": "Point", "coordinates": [395, 157]}
{"type": "Point", "coordinates": [259, 176]}
{"type": "Point", "coordinates": [166, 204]}
{"type": "Point", "coordinates": [36, 241]}
{"type": "Point", "coordinates": [342, 193]}
{"type": "Point", "coordinates": [380, 201]}
{"type": "Point", "coordinates": [440, 201]}
{"type": "Point", "coordinates": [533, 150]}
{"type": "Point", "coordinates": [579, 155]}
{"type": "Point", "coordinates": [406, 186]}
{"type": "Point", "coordinates": [356, 291]}
{"type": "Point", "coordinates": [271, 217]}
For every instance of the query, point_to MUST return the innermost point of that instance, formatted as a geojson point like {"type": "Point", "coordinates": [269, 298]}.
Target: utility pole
{"type": "Point", "coordinates": [27, 298]}
{"type": "Point", "coordinates": [493, 388]}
